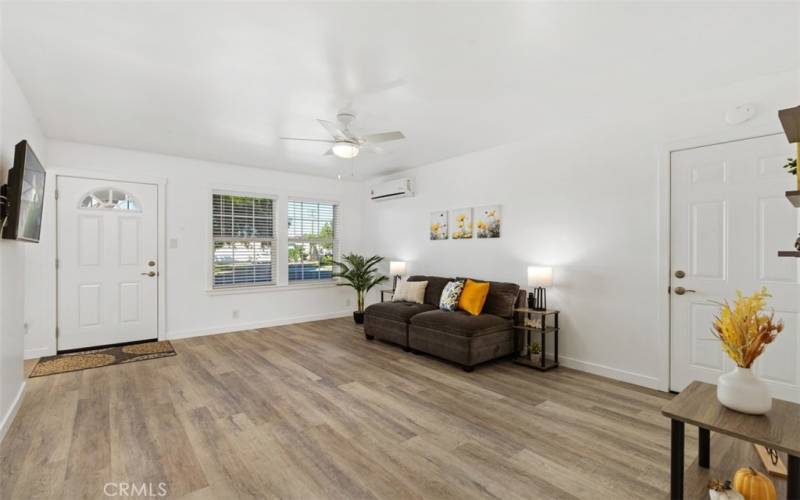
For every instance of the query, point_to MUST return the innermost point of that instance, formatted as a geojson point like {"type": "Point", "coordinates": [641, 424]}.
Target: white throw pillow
{"type": "Point", "coordinates": [410, 291]}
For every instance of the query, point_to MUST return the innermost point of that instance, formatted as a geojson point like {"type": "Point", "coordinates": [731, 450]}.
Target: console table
{"type": "Point", "coordinates": [698, 405]}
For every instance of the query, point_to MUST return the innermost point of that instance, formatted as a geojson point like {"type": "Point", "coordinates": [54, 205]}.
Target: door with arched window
{"type": "Point", "coordinates": [107, 262]}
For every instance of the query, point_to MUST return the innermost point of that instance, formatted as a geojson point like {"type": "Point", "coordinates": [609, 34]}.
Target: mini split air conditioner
{"type": "Point", "coordinates": [398, 188]}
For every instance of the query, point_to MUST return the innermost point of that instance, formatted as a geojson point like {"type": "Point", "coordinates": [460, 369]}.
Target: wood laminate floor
{"type": "Point", "coordinates": [314, 410]}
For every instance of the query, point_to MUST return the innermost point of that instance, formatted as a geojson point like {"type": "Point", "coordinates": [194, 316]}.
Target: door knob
{"type": "Point", "coordinates": [679, 290]}
{"type": "Point", "coordinates": [151, 274]}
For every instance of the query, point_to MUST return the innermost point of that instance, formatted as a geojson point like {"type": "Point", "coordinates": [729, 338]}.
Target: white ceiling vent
{"type": "Point", "coordinates": [398, 188]}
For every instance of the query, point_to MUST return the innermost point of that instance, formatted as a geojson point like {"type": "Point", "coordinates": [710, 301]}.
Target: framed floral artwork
{"type": "Point", "coordinates": [487, 221]}
{"type": "Point", "coordinates": [461, 224]}
{"type": "Point", "coordinates": [438, 225]}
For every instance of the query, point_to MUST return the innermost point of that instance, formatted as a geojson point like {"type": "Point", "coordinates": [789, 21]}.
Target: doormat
{"type": "Point", "coordinates": [96, 358]}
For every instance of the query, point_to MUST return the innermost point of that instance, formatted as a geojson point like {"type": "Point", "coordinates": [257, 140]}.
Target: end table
{"type": "Point", "coordinates": [697, 405]}
{"type": "Point", "coordinates": [522, 322]}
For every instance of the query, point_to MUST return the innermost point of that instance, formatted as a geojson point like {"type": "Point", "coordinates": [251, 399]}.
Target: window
{"type": "Point", "coordinates": [110, 199]}
{"type": "Point", "coordinates": [312, 240]}
{"type": "Point", "coordinates": [244, 241]}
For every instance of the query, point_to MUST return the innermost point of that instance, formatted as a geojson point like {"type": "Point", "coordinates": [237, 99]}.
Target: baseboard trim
{"type": "Point", "coordinates": [12, 412]}
{"type": "Point", "coordinates": [614, 373]}
{"type": "Point", "coordinates": [38, 352]}
{"type": "Point", "coordinates": [185, 334]}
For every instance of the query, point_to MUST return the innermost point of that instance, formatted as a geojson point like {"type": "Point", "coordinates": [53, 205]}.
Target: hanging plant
{"type": "Point", "coordinates": [791, 166]}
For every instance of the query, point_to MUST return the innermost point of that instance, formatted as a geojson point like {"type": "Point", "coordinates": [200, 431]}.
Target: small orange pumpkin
{"type": "Point", "coordinates": [753, 485]}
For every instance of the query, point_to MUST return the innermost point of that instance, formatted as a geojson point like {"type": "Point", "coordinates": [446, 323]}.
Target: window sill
{"type": "Point", "coordinates": [271, 288]}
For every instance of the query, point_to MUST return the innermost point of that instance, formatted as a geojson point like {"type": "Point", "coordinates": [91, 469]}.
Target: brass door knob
{"type": "Point", "coordinates": [679, 290]}
{"type": "Point", "coordinates": [151, 274]}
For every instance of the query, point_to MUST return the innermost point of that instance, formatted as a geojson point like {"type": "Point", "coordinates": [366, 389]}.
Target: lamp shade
{"type": "Point", "coordinates": [397, 268]}
{"type": "Point", "coordinates": [540, 276]}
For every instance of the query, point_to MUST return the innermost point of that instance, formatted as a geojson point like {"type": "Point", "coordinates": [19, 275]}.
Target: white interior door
{"type": "Point", "coordinates": [107, 267]}
{"type": "Point", "coordinates": [729, 219]}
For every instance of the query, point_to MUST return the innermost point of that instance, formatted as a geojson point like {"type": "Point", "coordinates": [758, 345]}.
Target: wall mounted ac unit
{"type": "Point", "coordinates": [398, 188]}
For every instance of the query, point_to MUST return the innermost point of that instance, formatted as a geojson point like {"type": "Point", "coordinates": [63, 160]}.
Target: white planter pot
{"type": "Point", "coordinates": [742, 391]}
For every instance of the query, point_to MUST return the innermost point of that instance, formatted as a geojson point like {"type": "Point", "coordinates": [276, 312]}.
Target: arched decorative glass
{"type": "Point", "coordinates": [110, 199]}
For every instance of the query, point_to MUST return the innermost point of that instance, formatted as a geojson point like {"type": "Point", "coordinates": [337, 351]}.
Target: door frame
{"type": "Point", "coordinates": [664, 211]}
{"type": "Point", "coordinates": [161, 233]}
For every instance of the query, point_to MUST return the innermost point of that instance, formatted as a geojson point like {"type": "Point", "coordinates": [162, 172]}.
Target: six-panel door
{"type": "Point", "coordinates": [729, 219]}
{"type": "Point", "coordinates": [107, 262]}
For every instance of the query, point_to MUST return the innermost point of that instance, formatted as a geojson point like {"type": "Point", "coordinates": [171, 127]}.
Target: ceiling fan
{"type": "Point", "coordinates": [345, 143]}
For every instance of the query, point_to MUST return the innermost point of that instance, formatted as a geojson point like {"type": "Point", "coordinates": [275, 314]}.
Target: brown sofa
{"type": "Point", "coordinates": [453, 335]}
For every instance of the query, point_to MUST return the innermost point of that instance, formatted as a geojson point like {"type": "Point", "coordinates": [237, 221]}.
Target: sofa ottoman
{"type": "Point", "coordinates": [460, 337]}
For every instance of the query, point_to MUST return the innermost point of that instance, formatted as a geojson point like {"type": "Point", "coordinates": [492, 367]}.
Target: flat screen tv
{"type": "Point", "coordinates": [25, 196]}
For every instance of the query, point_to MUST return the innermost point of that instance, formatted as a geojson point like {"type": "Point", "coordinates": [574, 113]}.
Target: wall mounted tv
{"type": "Point", "coordinates": [24, 196]}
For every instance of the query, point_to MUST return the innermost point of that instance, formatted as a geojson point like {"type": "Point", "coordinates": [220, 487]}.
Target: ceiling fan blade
{"type": "Point", "coordinates": [333, 129]}
{"type": "Point", "coordinates": [383, 137]}
{"type": "Point", "coordinates": [304, 139]}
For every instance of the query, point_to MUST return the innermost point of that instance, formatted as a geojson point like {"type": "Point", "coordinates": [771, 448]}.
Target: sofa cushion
{"type": "Point", "coordinates": [397, 311]}
{"type": "Point", "coordinates": [410, 291]}
{"type": "Point", "coordinates": [501, 299]}
{"type": "Point", "coordinates": [473, 297]}
{"type": "Point", "coordinates": [461, 323]}
{"type": "Point", "coordinates": [450, 296]}
{"type": "Point", "coordinates": [435, 287]}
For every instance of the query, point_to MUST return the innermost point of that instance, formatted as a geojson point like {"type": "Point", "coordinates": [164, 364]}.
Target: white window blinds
{"type": "Point", "coordinates": [244, 240]}
{"type": "Point", "coordinates": [312, 242]}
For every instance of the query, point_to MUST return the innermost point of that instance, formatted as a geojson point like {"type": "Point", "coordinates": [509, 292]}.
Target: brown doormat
{"type": "Point", "coordinates": [95, 358]}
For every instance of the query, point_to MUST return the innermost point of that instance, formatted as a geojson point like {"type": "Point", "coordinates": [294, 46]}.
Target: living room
{"type": "Point", "coordinates": [631, 156]}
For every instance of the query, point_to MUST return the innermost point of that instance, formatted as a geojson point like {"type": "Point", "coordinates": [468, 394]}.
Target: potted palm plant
{"type": "Point", "coordinates": [359, 273]}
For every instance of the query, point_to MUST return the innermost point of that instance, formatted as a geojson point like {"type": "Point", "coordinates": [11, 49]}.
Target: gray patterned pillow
{"type": "Point", "coordinates": [450, 295]}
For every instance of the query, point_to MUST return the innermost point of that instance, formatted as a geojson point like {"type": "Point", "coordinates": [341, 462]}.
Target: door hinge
{"type": "Point", "coordinates": [56, 193]}
{"type": "Point", "coordinates": [56, 263]}
{"type": "Point", "coordinates": [669, 290]}
{"type": "Point", "coordinates": [56, 332]}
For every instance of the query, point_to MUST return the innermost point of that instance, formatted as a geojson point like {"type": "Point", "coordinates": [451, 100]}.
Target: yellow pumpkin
{"type": "Point", "coordinates": [753, 485]}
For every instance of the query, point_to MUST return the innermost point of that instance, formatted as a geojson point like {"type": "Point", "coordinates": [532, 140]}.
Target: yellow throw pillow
{"type": "Point", "coordinates": [473, 297]}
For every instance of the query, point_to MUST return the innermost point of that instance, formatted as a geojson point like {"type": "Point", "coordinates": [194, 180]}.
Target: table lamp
{"type": "Point", "coordinates": [539, 278]}
{"type": "Point", "coordinates": [397, 268]}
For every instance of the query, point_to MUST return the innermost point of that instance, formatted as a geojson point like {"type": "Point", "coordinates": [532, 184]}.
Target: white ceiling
{"type": "Point", "coordinates": [222, 81]}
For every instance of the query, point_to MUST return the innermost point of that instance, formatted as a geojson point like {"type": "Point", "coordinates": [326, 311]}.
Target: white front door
{"type": "Point", "coordinates": [107, 267]}
{"type": "Point", "coordinates": [729, 219]}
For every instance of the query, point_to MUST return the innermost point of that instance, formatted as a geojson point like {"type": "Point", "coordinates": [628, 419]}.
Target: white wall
{"type": "Point", "coordinates": [191, 309]}
{"type": "Point", "coordinates": [17, 122]}
{"type": "Point", "coordinates": [587, 200]}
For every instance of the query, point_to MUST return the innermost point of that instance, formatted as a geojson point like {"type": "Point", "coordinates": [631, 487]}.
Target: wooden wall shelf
{"type": "Point", "coordinates": [788, 253]}
{"type": "Point", "coordinates": [794, 197]}
{"type": "Point", "coordinates": [790, 119]}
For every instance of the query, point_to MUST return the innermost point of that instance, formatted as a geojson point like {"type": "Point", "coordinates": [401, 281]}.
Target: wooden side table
{"type": "Point", "coordinates": [390, 292]}
{"type": "Point", "coordinates": [698, 405]}
{"type": "Point", "coordinates": [522, 315]}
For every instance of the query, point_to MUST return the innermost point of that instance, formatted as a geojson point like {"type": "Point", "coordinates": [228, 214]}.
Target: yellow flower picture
{"type": "Point", "coordinates": [488, 221]}
{"type": "Point", "coordinates": [438, 227]}
{"type": "Point", "coordinates": [461, 222]}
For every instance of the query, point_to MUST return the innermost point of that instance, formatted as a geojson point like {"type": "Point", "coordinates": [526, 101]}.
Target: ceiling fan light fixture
{"type": "Point", "coordinates": [345, 149]}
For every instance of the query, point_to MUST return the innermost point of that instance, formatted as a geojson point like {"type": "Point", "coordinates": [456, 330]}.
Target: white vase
{"type": "Point", "coordinates": [742, 391]}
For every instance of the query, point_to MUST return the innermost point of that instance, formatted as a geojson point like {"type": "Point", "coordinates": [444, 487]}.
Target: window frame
{"type": "Point", "coordinates": [274, 242]}
{"type": "Point", "coordinates": [335, 241]}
